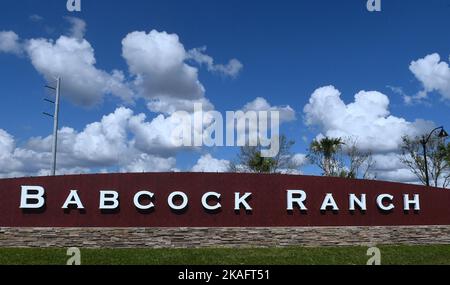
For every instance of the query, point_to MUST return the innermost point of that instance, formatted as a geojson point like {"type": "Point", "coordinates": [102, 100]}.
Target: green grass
{"type": "Point", "coordinates": [395, 255]}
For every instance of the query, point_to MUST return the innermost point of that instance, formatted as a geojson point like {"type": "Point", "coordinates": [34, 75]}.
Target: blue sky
{"type": "Point", "coordinates": [288, 50]}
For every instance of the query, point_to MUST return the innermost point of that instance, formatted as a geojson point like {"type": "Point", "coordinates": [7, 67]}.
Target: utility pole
{"type": "Point", "coordinates": [55, 117]}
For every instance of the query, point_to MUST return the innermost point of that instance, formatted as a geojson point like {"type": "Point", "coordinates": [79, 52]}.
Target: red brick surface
{"type": "Point", "coordinates": [268, 201]}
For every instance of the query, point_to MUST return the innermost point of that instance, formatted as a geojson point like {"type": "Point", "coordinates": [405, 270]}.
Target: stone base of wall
{"type": "Point", "coordinates": [221, 237]}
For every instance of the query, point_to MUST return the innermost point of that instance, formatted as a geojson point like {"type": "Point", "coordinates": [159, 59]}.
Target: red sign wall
{"type": "Point", "coordinates": [268, 202]}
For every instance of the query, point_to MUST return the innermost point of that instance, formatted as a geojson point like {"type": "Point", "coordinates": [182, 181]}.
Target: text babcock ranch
{"type": "Point", "coordinates": [34, 197]}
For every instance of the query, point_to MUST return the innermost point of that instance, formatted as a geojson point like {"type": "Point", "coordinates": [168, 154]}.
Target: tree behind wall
{"type": "Point", "coordinates": [341, 158]}
{"type": "Point", "coordinates": [360, 163]}
{"type": "Point", "coordinates": [324, 154]}
{"type": "Point", "coordinates": [447, 159]}
{"type": "Point", "coordinates": [438, 158]}
{"type": "Point", "coordinates": [250, 159]}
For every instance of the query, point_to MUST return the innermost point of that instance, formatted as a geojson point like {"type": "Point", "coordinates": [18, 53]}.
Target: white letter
{"type": "Point", "coordinates": [198, 124]}
{"type": "Point", "coordinates": [38, 197]}
{"type": "Point", "coordinates": [138, 196]}
{"type": "Point", "coordinates": [299, 201]}
{"type": "Point", "coordinates": [109, 196]}
{"type": "Point", "coordinates": [75, 254]}
{"type": "Point", "coordinates": [361, 202]}
{"type": "Point", "coordinates": [245, 124]}
{"type": "Point", "coordinates": [216, 128]}
{"type": "Point", "coordinates": [274, 142]}
{"type": "Point", "coordinates": [376, 256]}
{"type": "Point", "coordinates": [182, 205]}
{"type": "Point", "coordinates": [73, 199]}
{"type": "Point", "coordinates": [181, 135]}
{"type": "Point", "coordinates": [241, 200]}
{"type": "Point", "coordinates": [74, 5]}
{"type": "Point", "coordinates": [380, 202]}
{"type": "Point", "coordinates": [205, 201]}
{"type": "Point", "coordinates": [415, 201]}
{"type": "Point", "coordinates": [329, 202]}
{"type": "Point", "coordinates": [374, 5]}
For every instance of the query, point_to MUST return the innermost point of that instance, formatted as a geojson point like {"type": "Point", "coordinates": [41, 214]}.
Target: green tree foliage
{"type": "Point", "coordinates": [250, 159]}
{"type": "Point", "coordinates": [447, 153]}
{"type": "Point", "coordinates": [438, 158]}
{"type": "Point", "coordinates": [324, 153]}
{"type": "Point", "coordinates": [339, 158]}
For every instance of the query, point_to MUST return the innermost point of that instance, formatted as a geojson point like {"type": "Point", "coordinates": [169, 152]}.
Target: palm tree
{"type": "Point", "coordinates": [323, 153]}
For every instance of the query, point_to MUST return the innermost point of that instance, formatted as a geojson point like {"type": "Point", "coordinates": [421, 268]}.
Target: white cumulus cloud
{"type": "Point", "coordinates": [287, 114]}
{"type": "Point", "coordinates": [434, 75]}
{"type": "Point", "coordinates": [207, 163]}
{"type": "Point", "coordinates": [298, 160]}
{"type": "Point", "coordinates": [78, 28]}
{"type": "Point", "coordinates": [150, 163]}
{"type": "Point", "coordinates": [114, 143]}
{"type": "Point", "coordinates": [163, 75]}
{"type": "Point", "coordinates": [73, 60]}
{"type": "Point", "coordinates": [388, 167]}
{"type": "Point", "coordinates": [157, 60]}
{"type": "Point", "coordinates": [367, 119]}
{"type": "Point", "coordinates": [232, 69]}
{"type": "Point", "coordinates": [10, 42]}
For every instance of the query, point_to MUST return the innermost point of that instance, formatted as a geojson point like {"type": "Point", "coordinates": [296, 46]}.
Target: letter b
{"type": "Point", "coordinates": [32, 197]}
{"type": "Point", "coordinates": [109, 200]}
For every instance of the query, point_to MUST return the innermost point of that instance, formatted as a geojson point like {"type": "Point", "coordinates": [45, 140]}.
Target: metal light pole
{"type": "Point", "coordinates": [424, 141]}
{"type": "Point", "coordinates": [55, 117]}
{"type": "Point", "coordinates": [56, 125]}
